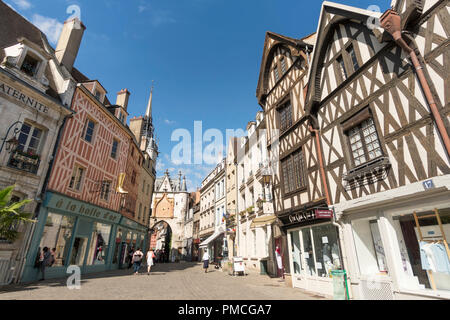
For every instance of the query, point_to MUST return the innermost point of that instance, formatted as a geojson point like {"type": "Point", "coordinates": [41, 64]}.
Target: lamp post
{"type": "Point", "coordinates": [12, 143]}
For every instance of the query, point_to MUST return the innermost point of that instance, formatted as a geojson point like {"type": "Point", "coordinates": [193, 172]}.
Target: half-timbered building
{"type": "Point", "coordinates": [88, 217]}
{"type": "Point", "coordinates": [305, 241]}
{"type": "Point", "coordinates": [383, 118]}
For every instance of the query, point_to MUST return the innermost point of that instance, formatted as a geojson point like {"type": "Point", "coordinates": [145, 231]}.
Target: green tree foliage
{"type": "Point", "coordinates": [11, 214]}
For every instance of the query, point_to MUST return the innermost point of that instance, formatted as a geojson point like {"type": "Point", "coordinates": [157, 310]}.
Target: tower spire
{"type": "Point", "coordinates": [148, 114]}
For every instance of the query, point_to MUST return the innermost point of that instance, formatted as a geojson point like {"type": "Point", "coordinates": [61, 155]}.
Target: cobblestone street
{"type": "Point", "coordinates": [178, 281]}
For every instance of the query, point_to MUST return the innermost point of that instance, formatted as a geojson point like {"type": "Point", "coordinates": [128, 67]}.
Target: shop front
{"type": "Point", "coordinates": [397, 242]}
{"type": "Point", "coordinates": [130, 235]}
{"type": "Point", "coordinates": [80, 233]}
{"type": "Point", "coordinates": [313, 249]}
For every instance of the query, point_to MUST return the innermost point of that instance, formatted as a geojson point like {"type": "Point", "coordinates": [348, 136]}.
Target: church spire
{"type": "Point", "coordinates": [148, 114]}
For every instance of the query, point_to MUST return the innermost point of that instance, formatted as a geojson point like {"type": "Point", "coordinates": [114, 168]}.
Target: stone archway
{"type": "Point", "coordinates": [161, 241]}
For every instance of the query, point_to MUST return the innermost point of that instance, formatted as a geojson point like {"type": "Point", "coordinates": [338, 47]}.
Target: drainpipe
{"type": "Point", "coordinates": [327, 195]}
{"type": "Point", "coordinates": [391, 23]}
{"type": "Point", "coordinates": [322, 170]}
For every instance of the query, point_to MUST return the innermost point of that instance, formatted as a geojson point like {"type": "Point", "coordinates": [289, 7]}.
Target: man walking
{"type": "Point", "coordinates": [137, 259]}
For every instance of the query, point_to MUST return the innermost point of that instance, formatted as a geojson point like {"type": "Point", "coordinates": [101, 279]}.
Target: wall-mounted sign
{"type": "Point", "coordinates": [428, 184]}
{"type": "Point", "coordinates": [18, 95]}
{"type": "Point", "coordinates": [324, 214]}
{"type": "Point", "coordinates": [65, 204]}
{"type": "Point", "coordinates": [302, 216]}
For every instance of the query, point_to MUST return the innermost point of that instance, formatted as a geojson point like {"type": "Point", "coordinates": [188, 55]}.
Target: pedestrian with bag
{"type": "Point", "coordinates": [150, 256]}
{"type": "Point", "coordinates": [205, 260]}
{"type": "Point", "coordinates": [45, 261]}
{"type": "Point", "coordinates": [137, 259]}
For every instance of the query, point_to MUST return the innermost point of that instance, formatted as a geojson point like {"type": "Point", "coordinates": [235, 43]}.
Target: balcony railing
{"type": "Point", "coordinates": [24, 161]}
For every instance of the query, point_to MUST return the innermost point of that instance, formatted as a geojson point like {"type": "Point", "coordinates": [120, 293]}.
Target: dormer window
{"type": "Point", "coordinates": [30, 65]}
{"type": "Point", "coordinates": [97, 95]}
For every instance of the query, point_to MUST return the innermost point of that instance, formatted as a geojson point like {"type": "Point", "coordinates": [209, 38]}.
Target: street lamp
{"type": "Point", "coordinates": [11, 144]}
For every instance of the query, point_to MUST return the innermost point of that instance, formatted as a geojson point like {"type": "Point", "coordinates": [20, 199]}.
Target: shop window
{"type": "Point", "coordinates": [369, 247]}
{"type": "Point", "coordinates": [117, 246]}
{"type": "Point", "coordinates": [295, 252]}
{"type": "Point", "coordinates": [77, 177]}
{"type": "Point", "coordinates": [134, 240]}
{"type": "Point", "coordinates": [423, 250]}
{"type": "Point", "coordinates": [57, 233]}
{"type": "Point", "coordinates": [326, 249]}
{"type": "Point", "coordinates": [99, 244]}
{"type": "Point", "coordinates": [308, 252]}
{"type": "Point", "coordinates": [79, 251]}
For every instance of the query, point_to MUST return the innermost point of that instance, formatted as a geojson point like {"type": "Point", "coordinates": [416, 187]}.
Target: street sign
{"type": "Point", "coordinates": [428, 184]}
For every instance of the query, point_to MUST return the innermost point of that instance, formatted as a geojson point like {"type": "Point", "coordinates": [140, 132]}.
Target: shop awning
{"type": "Point", "coordinates": [212, 237]}
{"type": "Point", "coordinates": [262, 221]}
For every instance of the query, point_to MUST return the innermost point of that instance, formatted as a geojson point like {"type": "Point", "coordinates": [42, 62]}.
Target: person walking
{"type": "Point", "coordinates": [150, 256]}
{"type": "Point", "coordinates": [205, 260]}
{"type": "Point", "coordinates": [137, 259]}
{"type": "Point", "coordinates": [130, 257]}
{"type": "Point", "coordinates": [45, 261]}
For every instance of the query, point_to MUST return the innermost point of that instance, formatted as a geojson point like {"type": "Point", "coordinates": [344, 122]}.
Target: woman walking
{"type": "Point", "coordinates": [150, 256]}
{"type": "Point", "coordinates": [137, 259]}
{"type": "Point", "coordinates": [205, 260]}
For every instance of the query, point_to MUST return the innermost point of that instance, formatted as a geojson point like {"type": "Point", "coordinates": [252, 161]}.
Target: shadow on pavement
{"type": "Point", "coordinates": [158, 269]}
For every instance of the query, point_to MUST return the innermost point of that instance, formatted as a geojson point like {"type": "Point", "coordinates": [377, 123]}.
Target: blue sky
{"type": "Point", "coordinates": [204, 56]}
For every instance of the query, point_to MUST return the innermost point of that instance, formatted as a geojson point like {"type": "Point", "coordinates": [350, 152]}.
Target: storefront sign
{"type": "Point", "coordinates": [302, 216]}
{"type": "Point", "coordinates": [18, 95]}
{"type": "Point", "coordinates": [66, 204]}
{"type": "Point", "coordinates": [324, 214]}
{"type": "Point", "coordinates": [132, 224]}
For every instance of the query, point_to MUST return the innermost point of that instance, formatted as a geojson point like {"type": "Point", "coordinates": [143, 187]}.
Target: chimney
{"type": "Point", "coordinates": [122, 98]}
{"type": "Point", "coordinates": [69, 42]}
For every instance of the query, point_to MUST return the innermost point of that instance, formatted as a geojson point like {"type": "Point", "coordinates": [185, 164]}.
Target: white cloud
{"type": "Point", "coordinates": [51, 27]}
{"type": "Point", "coordinates": [22, 4]}
{"type": "Point", "coordinates": [142, 8]}
{"type": "Point", "coordinates": [169, 122]}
